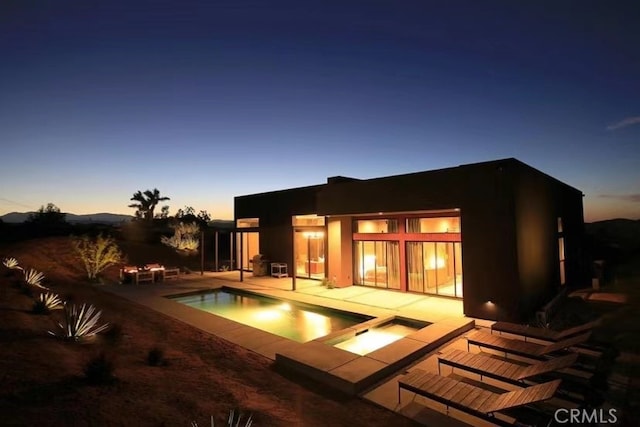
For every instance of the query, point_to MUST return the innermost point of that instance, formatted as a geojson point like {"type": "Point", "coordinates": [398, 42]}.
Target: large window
{"type": "Point", "coordinates": [433, 225]}
{"type": "Point", "coordinates": [376, 226]}
{"type": "Point", "coordinates": [377, 264]}
{"type": "Point", "coordinates": [434, 267]}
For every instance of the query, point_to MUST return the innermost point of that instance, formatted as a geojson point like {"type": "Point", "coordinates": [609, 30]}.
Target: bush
{"type": "Point", "coordinates": [99, 370]}
{"type": "Point", "coordinates": [98, 254]}
{"type": "Point", "coordinates": [185, 237]}
{"type": "Point", "coordinates": [155, 357]}
{"type": "Point", "coordinates": [114, 335]}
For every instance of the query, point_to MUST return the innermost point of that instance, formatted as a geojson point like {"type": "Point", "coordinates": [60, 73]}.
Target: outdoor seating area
{"type": "Point", "coordinates": [149, 273]}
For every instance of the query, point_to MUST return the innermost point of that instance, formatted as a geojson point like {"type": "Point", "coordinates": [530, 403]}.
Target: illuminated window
{"type": "Point", "coordinates": [376, 226]}
{"type": "Point", "coordinates": [559, 225]}
{"type": "Point", "coordinates": [306, 220]}
{"type": "Point", "coordinates": [561, 254]}
{"type": "Point", "coordinates": [248, 223]}
{"type": "Point", "coordinates": [433, 225]}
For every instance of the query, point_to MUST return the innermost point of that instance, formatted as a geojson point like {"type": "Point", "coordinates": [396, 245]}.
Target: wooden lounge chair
{"type": "Point", "coordinates": [542, 333]}
{"type": "Point", "coordinates": [469, 398]}
{"type": "Point", "coordinates": [514, 373]}
{"type": "Point", "coordinates": [485, 365]}
{"type": "Point", "coordinates": [522, 348]}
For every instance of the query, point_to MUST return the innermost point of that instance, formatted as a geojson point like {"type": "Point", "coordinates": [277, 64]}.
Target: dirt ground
{"type": "Point", "coordinates": [43, 382]}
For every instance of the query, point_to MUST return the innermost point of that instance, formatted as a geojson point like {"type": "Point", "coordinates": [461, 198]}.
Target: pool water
{"type": "Point", "coordinates": [378, 337]}
{"type": "Point", "coordinates": [300, 323]}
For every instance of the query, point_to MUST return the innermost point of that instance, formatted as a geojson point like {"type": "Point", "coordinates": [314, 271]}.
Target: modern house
{"type": "Point", "coordinates": [500, 235]}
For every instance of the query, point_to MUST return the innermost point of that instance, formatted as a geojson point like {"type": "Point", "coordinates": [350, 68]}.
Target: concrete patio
{"type": "Point", "coordinates": [373, 376]}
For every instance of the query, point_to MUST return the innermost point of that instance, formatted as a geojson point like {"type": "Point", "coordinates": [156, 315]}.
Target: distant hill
{"type": "Point", "coordinates": [622, 234]}
{"type": "Point", "coordinates": [97, 218]}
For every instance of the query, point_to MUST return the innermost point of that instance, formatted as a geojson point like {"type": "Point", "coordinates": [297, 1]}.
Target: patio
{"type": "Point", "coordinates": [364, 375]}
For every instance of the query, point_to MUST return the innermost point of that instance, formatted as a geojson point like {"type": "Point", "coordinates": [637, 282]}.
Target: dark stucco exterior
{"type": "Point", "coordinates": [509, 226]}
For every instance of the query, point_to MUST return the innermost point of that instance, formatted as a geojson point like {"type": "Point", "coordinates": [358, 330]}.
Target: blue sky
{"type": "Point", "coordinates": [206, 100]}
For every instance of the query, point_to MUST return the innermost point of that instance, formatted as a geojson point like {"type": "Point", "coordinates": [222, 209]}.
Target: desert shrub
{"type": "Point", "coordinates": [99, 369]}
{"type": "Point", "coordinates": [233, 420]}
{"type": "Point", "coordinates": [80, 322]}
{"type": "Point", "coordinates": [185, 237]}
{"type": "Point", "coordinates": [113, 335]}
{"type": "Point", "coordinates": [155, 357]}
{"type": "Point", "coordinates": [46, 303]}
{"type": "Point", "coordinates": [97, 254]}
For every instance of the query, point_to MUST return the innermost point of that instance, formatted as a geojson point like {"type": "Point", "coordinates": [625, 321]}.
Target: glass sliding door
{"type": "Point", "coordinates": [377, 264]}
{"type": "Point", "coordinates": [310, 256]}
{"type": "Point", "coordinates": [434, 267]}
{"type": "Point", "coordinates": [250, 247]}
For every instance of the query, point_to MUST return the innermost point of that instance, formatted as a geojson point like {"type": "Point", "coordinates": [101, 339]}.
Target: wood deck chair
{"type": "Point", "coordinates": [512, 373]}
{"type": "Point", "coordinates": [469, 398]}
{"type": "Point", "coordinates": [485, 365]}
{"type": "Point", "coordinates": [522, 348]}
{"type": "Point", "coordinates": [544, 334]}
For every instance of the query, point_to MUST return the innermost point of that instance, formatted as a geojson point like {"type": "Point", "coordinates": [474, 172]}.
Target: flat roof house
{"type": "Point", "coordinates": [501, 235]}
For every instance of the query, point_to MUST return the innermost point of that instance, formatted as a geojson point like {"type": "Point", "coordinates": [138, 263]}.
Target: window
{"type": "Point", "coordinates": [377, 264]}
{"type": "Point", "coordinates": [307, 220]}
{"type": "Point", "coordinates": [376, 226]}
{"type": "Point", "coordinates": [434, 267]}
{"type": "Point", "coordinates": [248, 223]}
{"type": "Point", "coordinates": [563, 278]}
{"type": "Point", "coordinates": [433, 225]}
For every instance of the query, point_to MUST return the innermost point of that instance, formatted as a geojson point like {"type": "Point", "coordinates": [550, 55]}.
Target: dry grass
{"type": "Point", "coordinates": [43, 380]}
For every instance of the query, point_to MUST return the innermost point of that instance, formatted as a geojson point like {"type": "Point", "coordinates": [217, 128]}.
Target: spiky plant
{"type": "Point", "coordinates": [47, 302]}
{"type": "Point", "coordinates": [80, 322]}
{"type": "Point", "coordinates": [34, 278]}
{"type": "Point", "coordinates": [232, 421]}
{"type": "Point", "coordinates": [11, 263]}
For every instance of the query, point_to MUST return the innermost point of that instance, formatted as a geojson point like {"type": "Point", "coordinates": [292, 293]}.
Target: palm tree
{"type": "Point", "coordinates": [147, 202]}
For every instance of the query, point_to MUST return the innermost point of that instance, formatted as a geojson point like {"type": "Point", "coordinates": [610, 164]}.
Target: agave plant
{"type": "Point", "coordinates": [80, 322]}
{"type": "Point", "coordinates": [232, 421]}
{"type": "Point", "coordinates": [48, 301]}
{"type": "Point", "coordinates": [11, 264]}
{"type": "Point", "coordinates": [35, 278]}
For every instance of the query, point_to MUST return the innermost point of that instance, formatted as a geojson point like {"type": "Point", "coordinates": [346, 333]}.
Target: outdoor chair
{"type": "Point", "coordinates": [544, 334]}
{"type": "Point", "coordinates": [485, 365]}
{"type": "Point", "coordinates": [522, 348]}
{"type": "Point", "coordinates": [469, 398]}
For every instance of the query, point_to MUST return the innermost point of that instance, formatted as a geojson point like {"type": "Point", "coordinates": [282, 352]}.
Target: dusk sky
{"type": "Point", "coordinates": [206, 100]}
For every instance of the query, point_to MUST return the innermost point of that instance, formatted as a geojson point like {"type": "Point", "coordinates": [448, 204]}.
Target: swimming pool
{"type": "Point", "coordinates": [298, 322]}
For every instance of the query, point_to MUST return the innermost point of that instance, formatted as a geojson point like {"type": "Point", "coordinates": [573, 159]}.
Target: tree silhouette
{"type": "Point", "coordinates": [147, 203]}
{"type": "Point", "coordinates": [49, 215]}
